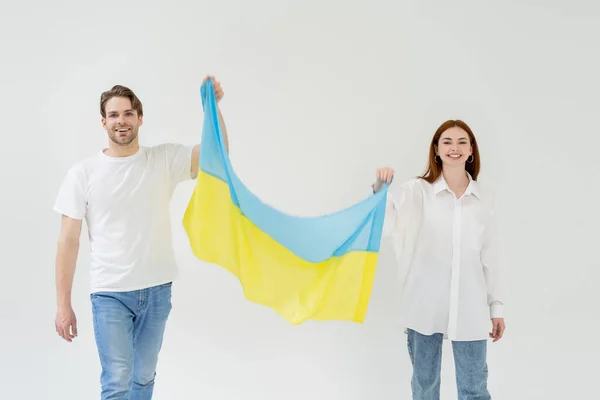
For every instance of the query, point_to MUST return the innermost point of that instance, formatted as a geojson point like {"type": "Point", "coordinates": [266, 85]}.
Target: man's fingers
{"type": "Point", "coordinates": [68, 335]}
{"type": "Point", "coordinates": [61, 333]}
{"type": "Point", "coordinates": [70, 330]}
{"type": "Point", "coordinates": [65, 332]}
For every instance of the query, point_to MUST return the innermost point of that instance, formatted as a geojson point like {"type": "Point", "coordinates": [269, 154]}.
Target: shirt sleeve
{"type": "Point", "coordinates": [71, 198]}
{"type": "Point", "coordinates": [491, 267]}
{"type": "Point", "coordinates": [401, 205]}
{"type": "Point", "coordinates": [179, 162]}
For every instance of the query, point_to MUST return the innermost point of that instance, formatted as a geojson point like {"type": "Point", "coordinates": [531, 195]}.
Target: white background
{"type": "Point", "coordinates": [318, 94]}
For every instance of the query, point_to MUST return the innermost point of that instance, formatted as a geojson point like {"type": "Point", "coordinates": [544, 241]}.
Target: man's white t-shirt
{"type": "Point", "coordinates": [125, 203]}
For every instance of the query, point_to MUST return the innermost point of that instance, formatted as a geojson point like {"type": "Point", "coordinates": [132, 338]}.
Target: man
{"type": "Point", "coordinates": [123, 193]}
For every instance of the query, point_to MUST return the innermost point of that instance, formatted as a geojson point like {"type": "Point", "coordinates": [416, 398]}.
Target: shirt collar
{"type": "Point", "coordinates": [440, 185]}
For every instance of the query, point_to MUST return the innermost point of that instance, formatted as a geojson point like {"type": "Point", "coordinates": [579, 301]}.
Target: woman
{"type": "Point", "coordinates": [444, 227]}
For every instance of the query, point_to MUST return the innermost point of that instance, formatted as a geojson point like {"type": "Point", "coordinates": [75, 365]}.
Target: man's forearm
{"type": "Point", "coordinates": [66, 261]}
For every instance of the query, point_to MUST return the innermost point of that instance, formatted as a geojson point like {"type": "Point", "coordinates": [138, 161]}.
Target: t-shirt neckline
{"type": "Point", "coordinates": [120, 159]}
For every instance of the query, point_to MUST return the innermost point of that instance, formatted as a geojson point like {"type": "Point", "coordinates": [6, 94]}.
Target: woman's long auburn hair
{"type": "Point", "coordinates": [434, 169]}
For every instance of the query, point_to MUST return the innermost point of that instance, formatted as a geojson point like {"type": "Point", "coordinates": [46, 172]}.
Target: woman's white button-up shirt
{"type": "Point", "coordinates": [446, 247]}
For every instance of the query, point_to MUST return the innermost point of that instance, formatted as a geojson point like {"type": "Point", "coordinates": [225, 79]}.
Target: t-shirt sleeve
{"type": "Point", "coordinates": [179, 161]}
{"type": "Point", "coordinates": [70, 200]}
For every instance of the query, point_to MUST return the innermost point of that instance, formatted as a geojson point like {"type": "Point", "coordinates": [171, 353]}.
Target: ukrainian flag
{"type": "Point", "coordinates": [319, 268]}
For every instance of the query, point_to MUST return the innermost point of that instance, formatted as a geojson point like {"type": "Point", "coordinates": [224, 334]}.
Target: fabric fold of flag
{"type": "Point", "coordinates": [319, 268]}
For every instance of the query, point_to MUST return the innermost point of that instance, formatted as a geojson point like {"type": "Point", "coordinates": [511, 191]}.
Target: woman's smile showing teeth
{"type": "Point", "coordinates": [455, 155]}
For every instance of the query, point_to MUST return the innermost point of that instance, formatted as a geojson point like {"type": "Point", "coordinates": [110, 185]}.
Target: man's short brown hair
{"type": "Point", "coordinates": [120, 91]}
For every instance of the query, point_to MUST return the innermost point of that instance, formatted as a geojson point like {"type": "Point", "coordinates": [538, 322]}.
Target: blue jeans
{"type": "Point", "coordinates": [469, 360]}
{"type": "Point", "coordinates": [129, 328]}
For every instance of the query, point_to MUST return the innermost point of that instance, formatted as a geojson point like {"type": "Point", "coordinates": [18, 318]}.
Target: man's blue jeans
{"type": "Point", "coordinates": [129, 328]}
{"type": "Point", "coordinates": [470, 364]}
